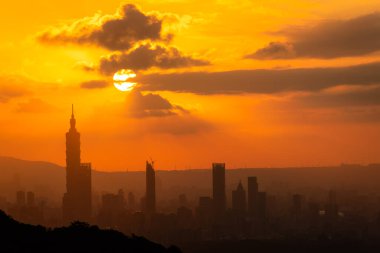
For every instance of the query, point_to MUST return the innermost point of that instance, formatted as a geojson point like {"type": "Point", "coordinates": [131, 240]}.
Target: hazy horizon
{"type": "Point", "coordinates": [205, 168]}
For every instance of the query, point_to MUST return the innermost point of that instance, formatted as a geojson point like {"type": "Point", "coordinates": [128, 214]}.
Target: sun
{"type": "Point", "coordinates": [120, 80]}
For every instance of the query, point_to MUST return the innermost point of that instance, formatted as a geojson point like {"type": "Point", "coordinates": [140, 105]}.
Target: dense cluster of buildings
{"type": "Point", "coordinates": [26, 209]}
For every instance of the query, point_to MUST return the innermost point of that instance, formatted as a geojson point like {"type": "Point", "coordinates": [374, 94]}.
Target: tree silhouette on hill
{"type": "Point", "coordinates": [78, 237]}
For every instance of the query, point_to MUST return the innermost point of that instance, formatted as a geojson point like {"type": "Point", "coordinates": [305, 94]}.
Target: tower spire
{"type": "Point", "coordinates": [240, 186]}
{"type": "Point", "coordinates": [72, 120]}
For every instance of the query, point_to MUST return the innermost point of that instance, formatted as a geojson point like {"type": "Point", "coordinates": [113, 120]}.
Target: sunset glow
{"type": "Point", "coordinates": [271, 82]}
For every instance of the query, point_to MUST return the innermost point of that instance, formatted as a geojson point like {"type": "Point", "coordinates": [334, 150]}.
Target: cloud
{"type": "Point", "coordinates": [163, 117]}
{"type": "Point", "coordinates": [114, 32]}
{"type": "Point", "coordinates": [262, 81]}
{"type": "Point", "coordinates": [357, 97]}
{"type": "Point", "coordinates": [360, 114]}
{"type": "Point", "coordinates": [181, 125]}
{"type": "Point", "coordinates": [136, 40]}
{"type": "Point", "coordinates": [12, 87]}
{"type": "Point", "coordinates": [329, 39]}
{"type": "Point", "coordinates": [150, 105]}
{"type": "Point", "coordinates": [35, 105]}
{"type": "Point", "coordinates": [147, 56]}
{"type": "Point", "coordinates": [94, 84]}
{"type": "Point", "coordinates": [8, 92]}
{"type": "Point", "coordinates": [274, 50]}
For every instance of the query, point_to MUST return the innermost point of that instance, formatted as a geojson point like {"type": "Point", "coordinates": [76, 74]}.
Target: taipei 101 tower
{"type": "Point", "coordinates": [77, 199]}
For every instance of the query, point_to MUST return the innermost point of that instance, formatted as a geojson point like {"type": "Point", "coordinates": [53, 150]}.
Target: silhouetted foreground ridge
{"type": "Point", "coordinates": [79, 237]}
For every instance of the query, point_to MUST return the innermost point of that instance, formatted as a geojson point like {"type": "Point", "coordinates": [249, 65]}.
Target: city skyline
{"type": "Point", "coordinates": [247, 216]}
{"type": "Point", "coordinates": [301, 77]}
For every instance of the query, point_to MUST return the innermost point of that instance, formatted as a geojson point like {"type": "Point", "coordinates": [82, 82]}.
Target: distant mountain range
{"type": "Point", "coordinates": [47, 180]}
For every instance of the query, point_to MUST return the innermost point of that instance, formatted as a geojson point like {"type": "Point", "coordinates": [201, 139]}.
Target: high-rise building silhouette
{"type": "Point", "coordinates": [239, 203]}
{"type": "Point", "coordinates": [204, 211]}
{"type": "Point", "coordinates": [30, 198]}
{"type": "Point", "coordinates": [253, 190]}
{"type": "Point", "coordinates": [77, 199]}
{"type": "Point", "coordinates": [297, 207]}
{"type": "Point", "coordinates": [150, 195]}
{"type": "Point", "coordinates": [219, 188]}
{"type": "Point", "coordinates": [261, 206]}
{"type": "Point", "coordinates": [332, 206]}
{"type": "Point", "coordinates": [113, 202]}
{"type": "Point", "coordinates": [131, 201]}
{"type": "Point", "coordinates": [182, 199]}
{"type": "Point", "coordinates": [21, 200]}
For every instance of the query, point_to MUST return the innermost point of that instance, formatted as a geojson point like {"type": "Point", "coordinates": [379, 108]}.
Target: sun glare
{"type": "Point", "coordinates": [120, 80]}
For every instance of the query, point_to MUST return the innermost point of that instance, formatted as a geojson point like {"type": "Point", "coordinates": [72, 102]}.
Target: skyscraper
{"type": "Point", "coordinates": [131, 201]}
{"type": "Point", "coordinates": [150, 195]}
{"type": "Point", "coordinates": [253, 189]}
{"type": "Point", "coordinates": [77, 199]}
{"type": "Point", "coordinates": [219, 188]}
{"type": "Point", "coordinates": [205, 211]}
{"type": "Point", "coordinates": [297, 207]}
{"type": "Point", "coordinates": [30, 199]}
{"type": "Point", "coordinates": [239, 203]}
{"type": "Point", "coordinates": [261, 206]}
{"type": "Point", "coordinates": [332, 206]}
{"type": "Point", "coordinates": [20, 198]}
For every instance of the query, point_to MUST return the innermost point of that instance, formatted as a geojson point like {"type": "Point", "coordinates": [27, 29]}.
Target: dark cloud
{"type": "Point", "coordinates": [330, 39]}
{"type": "Point", "coordinates": [131, 34]}
{"type": "Point", "coordinates": [147, 56]}
{"type": "Point", "coordinates": [150, 105]}
{"type": "Point", "coordinates": [274, 50]}
{"type": "Point", "coordinates": [262, 81]}
{"type": "Point", "coordinates": [163, 117]}
{"type": "Point", "coordinates": [35, 105]}
{"type": "Point", "coordinates": [94, 84]}
{"type": "Point", "coordinates": [369, 96]}
{"type": "Point", "coordinates": [118, 32]}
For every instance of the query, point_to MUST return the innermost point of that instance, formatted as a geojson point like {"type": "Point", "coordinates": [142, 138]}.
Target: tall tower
{"type": "Point", "coordinates": [77, 199]}
{"type": "Point", "coordinates": [239, 202]}
{"type": "Point", "coordinates": [219, 188]}
{"type": "Point", "coordinates": [72, 154]}
{"type": "Point", "coordinates": [150, 195]}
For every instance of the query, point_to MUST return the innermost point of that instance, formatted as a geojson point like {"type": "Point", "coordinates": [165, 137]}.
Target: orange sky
{"type": "Point", "coordinates": [317, 103]}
